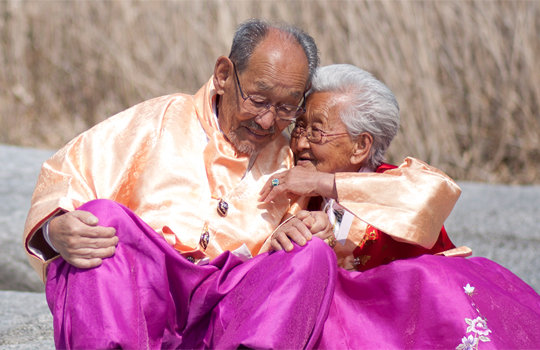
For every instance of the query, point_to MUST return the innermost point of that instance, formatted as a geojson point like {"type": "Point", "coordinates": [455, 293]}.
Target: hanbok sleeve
{"type": "Point", "coordinates": [409, 203]}
{"type": "Point", "coordinates": [103, 162]}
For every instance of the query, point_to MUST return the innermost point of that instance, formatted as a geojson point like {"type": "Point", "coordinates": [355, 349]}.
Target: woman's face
{"type": "Point", "coordinates": [334, 153]}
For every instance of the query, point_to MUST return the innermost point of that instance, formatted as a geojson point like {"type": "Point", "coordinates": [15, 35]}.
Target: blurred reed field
{"type": "Point", "coordinates": [466, 73]}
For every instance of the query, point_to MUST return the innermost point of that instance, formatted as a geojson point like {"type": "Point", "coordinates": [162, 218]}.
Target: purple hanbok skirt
{"type": "Point", "coordinates": [147, 296]}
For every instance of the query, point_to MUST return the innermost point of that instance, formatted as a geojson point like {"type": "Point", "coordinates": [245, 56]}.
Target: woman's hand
{"type": "Point", "coordinates": [301, 181]}
{"type": "Point", "coordinates": [301, 229]}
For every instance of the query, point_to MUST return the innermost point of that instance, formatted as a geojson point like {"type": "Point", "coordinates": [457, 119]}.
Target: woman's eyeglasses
{"type": "Point", "coordinates": [312, 134]}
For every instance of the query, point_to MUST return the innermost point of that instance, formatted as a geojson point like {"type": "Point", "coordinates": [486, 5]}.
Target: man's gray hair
{"type": "Point", "coordinates": [369, 106]}
{"type": "Point", "coordinates": [251, 33]}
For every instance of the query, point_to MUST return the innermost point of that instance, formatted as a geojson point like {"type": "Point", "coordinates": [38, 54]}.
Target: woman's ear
{"type": "Point", "coordinates": [362, 147]}
{"type": "Point", "coordinates": [222, 72]}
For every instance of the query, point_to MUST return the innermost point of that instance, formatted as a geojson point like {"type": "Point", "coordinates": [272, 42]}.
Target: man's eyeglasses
{"type": "Point", "coordinates": [258, 106]}
{"type": "Point", "coordinates": [313, 134]}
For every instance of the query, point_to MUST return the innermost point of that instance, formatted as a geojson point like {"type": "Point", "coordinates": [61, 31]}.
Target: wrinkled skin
{"type": "Point", "coordinates": [300, 229]}
{"type": "Point", "coordinates": [316, 164]}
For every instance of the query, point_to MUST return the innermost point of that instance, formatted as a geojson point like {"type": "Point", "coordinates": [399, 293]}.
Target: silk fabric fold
{"type": "Point", "coordinates": [148, 296]}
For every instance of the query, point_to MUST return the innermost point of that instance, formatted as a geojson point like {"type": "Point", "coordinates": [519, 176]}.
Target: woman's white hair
{"type": "Point", "coordinates": [369, 106]}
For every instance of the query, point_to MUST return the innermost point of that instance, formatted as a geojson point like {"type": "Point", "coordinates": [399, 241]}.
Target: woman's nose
{"type": "Point", "coordinates": [302, 141]}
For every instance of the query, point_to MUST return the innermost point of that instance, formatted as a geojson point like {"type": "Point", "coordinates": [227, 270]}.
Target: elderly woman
{"type": "Point", "coordinates": [382, 213]}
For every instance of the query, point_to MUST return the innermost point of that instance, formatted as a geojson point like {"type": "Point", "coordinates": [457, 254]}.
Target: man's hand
{"type": "Point", "coordinates": [301, 181]}
{"type": "Point", "coordinates": [301, 229]}
{"type": "Point", "coordinates": [80, 241]}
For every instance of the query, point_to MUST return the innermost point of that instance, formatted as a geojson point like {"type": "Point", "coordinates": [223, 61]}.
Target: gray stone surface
{"type": "Point", "coordinates": [18, 176]}
{"type": "Point", "coordinates": [25, 321]}
{"type": "Point", "coordinates": [501, 223]}
{"type": "Point", "coordinates": [498, 222]}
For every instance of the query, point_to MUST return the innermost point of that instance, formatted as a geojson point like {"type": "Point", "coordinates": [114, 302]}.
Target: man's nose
{"type": "Point", "coordinates": [267, 118]}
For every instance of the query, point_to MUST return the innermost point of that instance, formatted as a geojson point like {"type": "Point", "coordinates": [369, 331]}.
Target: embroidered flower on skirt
{"type": "Point", "coordinates": [468, 343]}
{"type": "Point", "coordinates": [478, 326]}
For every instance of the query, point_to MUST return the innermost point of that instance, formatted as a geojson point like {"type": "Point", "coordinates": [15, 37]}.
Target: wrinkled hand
{"type": "Point", "coordinates": [301, 181]}
{"type": "Point", "coordinates": [80, 241]}
{"type": "Point", "coordinates": [301, 229]}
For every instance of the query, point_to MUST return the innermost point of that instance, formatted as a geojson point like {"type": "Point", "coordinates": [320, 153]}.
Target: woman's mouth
{"type": "Point", "coordinates": [304, 160]}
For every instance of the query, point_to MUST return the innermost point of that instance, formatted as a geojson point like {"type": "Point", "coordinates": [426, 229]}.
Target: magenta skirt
{"type": "Point", "coordinates": [147, 296]}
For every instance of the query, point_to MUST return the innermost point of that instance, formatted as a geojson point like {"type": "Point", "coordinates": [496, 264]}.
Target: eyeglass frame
{"type": "Point", "coordinates": [267, 106]}
{"type": "Point", "coordinates": [305, 132]}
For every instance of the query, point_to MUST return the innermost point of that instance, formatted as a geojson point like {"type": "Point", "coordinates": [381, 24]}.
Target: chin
{"type": "Point", "coordinates": [306, 164]}
{"type": "Point", "coordinates": [244, 146]}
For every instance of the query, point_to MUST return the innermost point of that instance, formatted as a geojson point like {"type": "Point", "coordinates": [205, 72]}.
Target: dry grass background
{"type": "Point", "coordinates": [466, 73]}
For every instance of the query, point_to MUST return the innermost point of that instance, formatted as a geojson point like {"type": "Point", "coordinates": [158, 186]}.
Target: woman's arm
{"type": "Point", "coordinates": [409, 203]}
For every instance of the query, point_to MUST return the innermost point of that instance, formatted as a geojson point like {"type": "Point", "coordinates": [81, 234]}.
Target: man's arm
{"type": "Point", "coordinates": [100, 163]}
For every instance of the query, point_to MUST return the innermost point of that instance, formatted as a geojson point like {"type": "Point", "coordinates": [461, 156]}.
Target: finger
{"type": "Point", "coordinates": [321, 222]}
{"type": "Point", "coordinates": [276, 245]}
{"type": "Point", "coordinates": [94, 232]}
{"type": "Point", "coordinates": [300, 234]}
{"type": "Point", "coordinates": [273, 193]}
{"type": "Point", "coordinates": [85, 217]}
{"type": "Point", "coordinates": [285, 242]}
{"type": "Point", "coordinates": [94, 243]}
{"type": "Point", "coordinates": [266, 188]}
{"type": "Point", "coordinates": [88, 253]}
{"type": "Point", "coordinates": [85, 263]}
{"type": "Point", "coordinates": [268, 185]}
{"type": "Point", "coordinates": [302, 214]}
{"type": "Point", "coordinates": [264, 192]}
{"type": "Point", "coordinates": [318, 227]}
{"type": "Point", "coordinates": [70, 225]}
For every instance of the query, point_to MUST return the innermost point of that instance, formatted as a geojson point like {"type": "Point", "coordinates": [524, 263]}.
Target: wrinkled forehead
{"type": "Point", "coordinates": [278, 65]}
{"type": "Point", "coordinates": [324, 107]}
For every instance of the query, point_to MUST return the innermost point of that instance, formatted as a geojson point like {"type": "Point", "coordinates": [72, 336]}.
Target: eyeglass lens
{"type": "Point", "coordinates": [285, 112]}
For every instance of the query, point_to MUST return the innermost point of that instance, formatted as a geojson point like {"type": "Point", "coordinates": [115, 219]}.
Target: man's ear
{"type": "Point", "coordinates": [222, 72]}
{"type": "Point", "coordinates": [362, 147]}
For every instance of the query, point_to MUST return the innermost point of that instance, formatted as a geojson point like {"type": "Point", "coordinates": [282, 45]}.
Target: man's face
{"type": "Point", "coordinates": [277, 73]}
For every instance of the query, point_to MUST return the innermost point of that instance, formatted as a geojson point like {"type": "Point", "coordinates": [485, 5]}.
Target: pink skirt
{"type": "Point", "coordinates": [147, 296]}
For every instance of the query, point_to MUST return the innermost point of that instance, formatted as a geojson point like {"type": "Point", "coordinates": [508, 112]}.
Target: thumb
{"type": "Point", "coordinates": [86, 217]}
{"type": "Point", "coordinates": [302, 214]}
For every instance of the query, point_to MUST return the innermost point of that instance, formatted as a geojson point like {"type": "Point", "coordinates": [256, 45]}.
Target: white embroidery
{"type": "Point", "coordinates": [469, 289]}
{"type": "Point", "coordinates": [478, 327]}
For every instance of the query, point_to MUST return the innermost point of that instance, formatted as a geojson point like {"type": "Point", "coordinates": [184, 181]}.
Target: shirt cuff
{"type": "Point", "coordinates": [45, 229]}
{"type": "Point", "coordinates": [41, 246]}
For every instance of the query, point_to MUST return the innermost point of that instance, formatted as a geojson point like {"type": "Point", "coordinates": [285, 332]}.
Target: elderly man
{"type": "Point", "coordinates": [188, 167]}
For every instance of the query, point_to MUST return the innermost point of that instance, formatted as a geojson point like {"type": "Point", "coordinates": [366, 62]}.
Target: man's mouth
{"type": "Point", "coordinates": [258, 134]}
